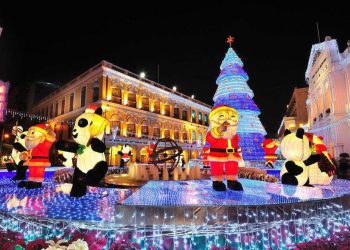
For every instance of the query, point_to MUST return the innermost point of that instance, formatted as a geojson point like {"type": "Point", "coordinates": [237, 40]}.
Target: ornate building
{"type": "Point", "coordinates": [296, 112]}
{"type": "Point", "coordinates": [139, 110]}
{"type": "Point", "coordinates": [328, 103]}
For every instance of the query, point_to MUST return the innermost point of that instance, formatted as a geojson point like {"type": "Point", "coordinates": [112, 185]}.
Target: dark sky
{"type": "Point", "coordinates": [55, 42]}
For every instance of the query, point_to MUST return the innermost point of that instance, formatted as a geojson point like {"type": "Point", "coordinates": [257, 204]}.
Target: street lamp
{"type": "Point", "coordinates": [142, 74]}
{"type": "Point", "coordinates": [3, 136]}
{"type": "Point", "coordinates": [174, 88]}
{"type": "Point", "coordinates": [192, 96]}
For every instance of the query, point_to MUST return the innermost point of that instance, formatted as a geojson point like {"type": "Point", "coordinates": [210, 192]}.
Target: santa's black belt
{"type": "Point", "coordinates": [40, 157]}
{"type": "Point", "coordinates": [224, 150]}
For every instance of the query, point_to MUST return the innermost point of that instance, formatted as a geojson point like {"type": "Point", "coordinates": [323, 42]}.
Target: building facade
{"type": "Point", "coordinates": [328, 103]}
{"type": "Point", "coordinates": [296, 112]}
{"type": "Point", "coordinates": [140, 111]}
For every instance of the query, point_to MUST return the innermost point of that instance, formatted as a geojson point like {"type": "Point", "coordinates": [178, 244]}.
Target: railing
{"type": "Point", "coordinates": [126, 72]}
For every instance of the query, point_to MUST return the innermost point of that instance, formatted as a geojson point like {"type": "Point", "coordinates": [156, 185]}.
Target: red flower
{"type": "Point", "coordinates": [36, 245]}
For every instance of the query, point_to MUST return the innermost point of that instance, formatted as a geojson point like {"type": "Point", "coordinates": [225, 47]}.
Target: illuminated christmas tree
{"type": "Point", "coordinates": [234, 91]}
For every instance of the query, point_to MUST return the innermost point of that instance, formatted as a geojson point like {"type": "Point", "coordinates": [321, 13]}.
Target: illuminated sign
{"type": "Point", "coordinates": [4, 88]}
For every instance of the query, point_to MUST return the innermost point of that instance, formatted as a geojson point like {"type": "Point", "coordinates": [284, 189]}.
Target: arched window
{"type": "Point", "coordinates": [156, 106]}
{"type": "Point", "coordinates": [83, 96]}
{"type": "Point", "coordinates": [131, 127]}
{"type": "Point", "coordinates": [167, 109]}
{"type": "Point", "coordinates": [206, 121]}
{"type": "Point", "coordinates": [176, 111]}
{"type": "Point", "coordinates": [144, 129]}
{"type": "Point", "coordinates": [200, 118]}
{"type": "Point", "coordinates": [132, 99]}
{"type": "Point", "coordinates": [95, 92]}
{"type": "Point", "coordinates": [145, 103]}
{"type": "Point", "coordinates": [176, 134]}
{"type": "Point", "coordinates": [193, 115]}
{"type": "Point", "coordinates": [194, 136]}
{"type": "Point", "coordinates": [115, 124]}
{"type": "Point", "coordinates": [184, 136]}
{"type": "Point", "coordinates": [184, 115]}
{"type": "Point", "coordinates": [200, 137]}
{"type": "Point", "coordinates": [116, 94]}
{"type": "Point", "coordinates": [166, 133]}
{"type": "Point", "coordinates": [156, 131]}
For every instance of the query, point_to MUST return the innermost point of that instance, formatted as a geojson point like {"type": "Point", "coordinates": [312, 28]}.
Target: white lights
{"type": "Point", "coordinates": [192, 96]}
{"type": "Point", "coordinates": [174, 88]}
{"type": "Point", "coordinates": [142, 74]}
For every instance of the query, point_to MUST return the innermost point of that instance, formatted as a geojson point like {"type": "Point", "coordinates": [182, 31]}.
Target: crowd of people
{"type": "Point", "coordinates": [343, 166]}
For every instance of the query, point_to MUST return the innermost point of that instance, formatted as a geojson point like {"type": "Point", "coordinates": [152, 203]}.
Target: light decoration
{"type": "Point", "coordinates": [278, 224]}
{"type": "Point", "coordinates": [34, 117]}
{"type": "Point", "coordinates": [234, 91]}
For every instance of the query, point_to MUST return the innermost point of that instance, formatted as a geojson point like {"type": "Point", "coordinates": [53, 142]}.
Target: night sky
{"type": "Point", "coordinates": [56, 42]}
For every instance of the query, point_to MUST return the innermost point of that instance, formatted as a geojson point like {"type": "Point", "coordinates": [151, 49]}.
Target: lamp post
{"type": "Point", "coordinates": [3, 135]}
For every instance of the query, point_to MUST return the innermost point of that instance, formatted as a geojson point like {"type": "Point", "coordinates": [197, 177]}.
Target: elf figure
{"type": "Point", "coordinates": [38, 142]}
{"type": "Point", "coordinates": [225, 153]}
{"type": "Point", "coordinates": [270, 146]}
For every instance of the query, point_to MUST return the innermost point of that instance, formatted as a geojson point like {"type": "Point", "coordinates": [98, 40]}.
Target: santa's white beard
{"type": "Point", "coordinates": [230, 132]}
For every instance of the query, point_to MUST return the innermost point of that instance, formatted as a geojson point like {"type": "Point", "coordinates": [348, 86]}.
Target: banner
{"type": "Point", "coordinates": [4, 88]}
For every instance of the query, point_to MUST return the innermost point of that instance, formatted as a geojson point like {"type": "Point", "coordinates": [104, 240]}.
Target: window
{"type": "Point", "coordinates": [63, 105]}
{"type": "Point", "coordinates": [95, 93]}
{"type": "Point", "coordinates": [167, 133]}
{"type": "Point", "coordinates": [131, 130]}
{"type": "Point", "coordinates": [117, 95]}
{"type": "Point", "coordinates": [83, 97]}
{"type": "Point", "coordinates": [184, 115]}
{"type": "Point", "coordinates": [206, 122]}
{"type": "Point", "coordinates": [144, 131]}
{"type": "Point", "coordinates": [167, 110]}
{"type": "Point", "coordinates": [115, 125]}
{"type": "Point", "coordinates": [156, 107]}
{"type": "Point", "coordinates": [200, 118]}
{"type": "Point", "coordinates": [56, 109]}
{"type": "Point", "coordinates": [51, 110]}
{"type": "Point", "coordinates": [176, 135]}
{"type": "Point", "coordinates": [145, 103]}
{"type": "Point", "coordinates": [193, 116]}
{"type": "Point", "coordinates": [47, 111]}
{"type": "Point", "coordinates": [194, 136]}
{"type": "Point", "coordinates": [132, 99]}
{"type": "Point", "coordinates": [156, 132]}
{"type": "Point", "coordinates": [176, 113]}
{"type": "Point", "coordinates": [71, 102]}
{"type": "Point", "coordinates": [42, 112]}
{"type": "Point", "coordinates": [184, 137]}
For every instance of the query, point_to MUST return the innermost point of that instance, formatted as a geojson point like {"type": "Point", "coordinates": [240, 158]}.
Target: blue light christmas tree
{"type": "Point", "coordinates": [234, 91]}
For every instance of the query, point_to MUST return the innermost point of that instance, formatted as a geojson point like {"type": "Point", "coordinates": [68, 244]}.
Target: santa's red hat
{"type": "Point", "coordinates": [91, 108]}
{"type": "Point", "coordinates": [42, 127]}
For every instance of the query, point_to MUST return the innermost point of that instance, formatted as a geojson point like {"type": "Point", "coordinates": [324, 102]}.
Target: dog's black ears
{"type": "Point", "coordinates": [287, 132]}
{"type": "Point", "coordinates": [98, 111]}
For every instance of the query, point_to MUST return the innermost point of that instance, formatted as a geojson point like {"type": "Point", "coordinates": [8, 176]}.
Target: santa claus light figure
{"type": "Point", "coordinates": [225, 153]}
{"type": "Point", "coordinates": [270, 146]}
{"type": "Point", "coordinates": [38, 141]}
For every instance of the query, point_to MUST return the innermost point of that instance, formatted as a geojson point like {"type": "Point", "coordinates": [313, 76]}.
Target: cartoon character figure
{"type": "Point", "coordinates": [321, 172]}
{"type": "Point", "coordinates": [88, 134]}
{"type": "Point", "coordinates": [38, 141]}
{"type": "Point", "coordinates": [270, 146]}
{"type": "Point", "coordinates": [19, 147]}
{"type": "Point", "coordinates": [296, 149]}
{"type": "Point", "coordinates": [225, 152]}
{"type": "Point", "coordinates": [150, 153]}
{"type": "Point", "coordinates": [125, 154]}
